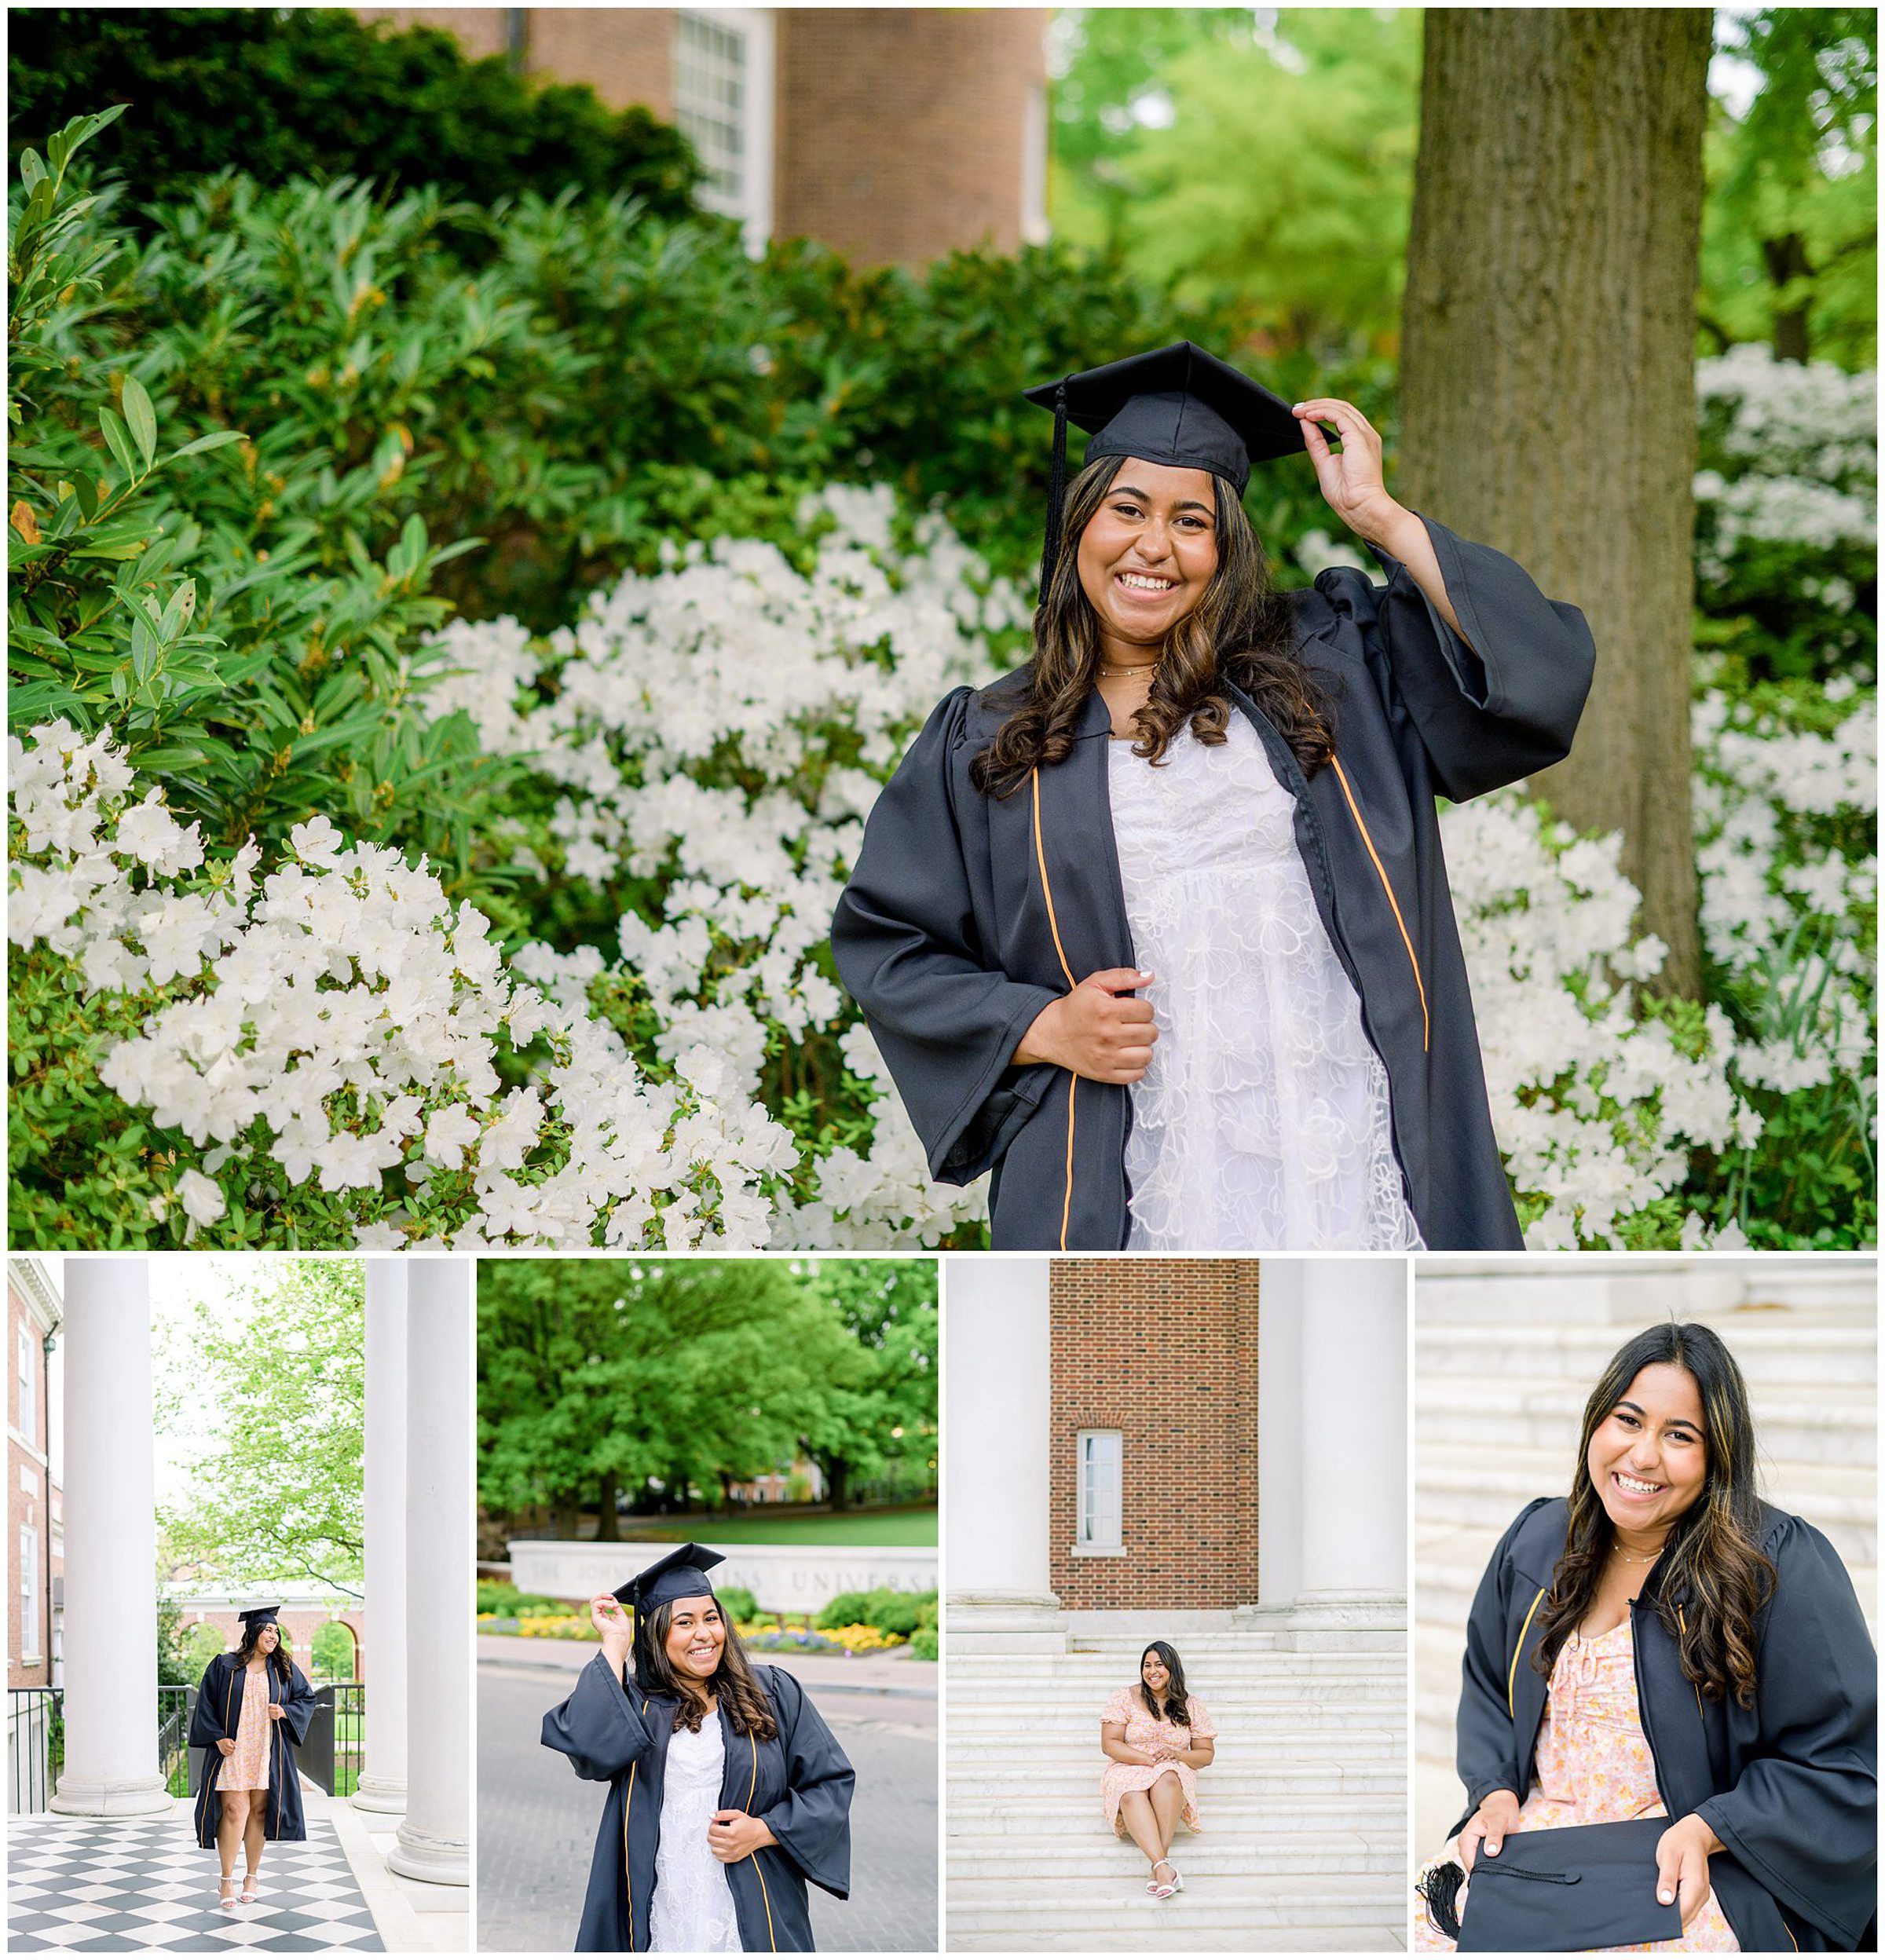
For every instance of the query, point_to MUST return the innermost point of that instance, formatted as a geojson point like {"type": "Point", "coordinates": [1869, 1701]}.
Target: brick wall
{"type": "Point", "coordinates": [300, 1625]}
{"type": "Point", "coordinates": [900, 130]}
{"type": "Point", "coordinates": [1165, 1351]}
{"type": "Point", "coordinates": [626, 54]}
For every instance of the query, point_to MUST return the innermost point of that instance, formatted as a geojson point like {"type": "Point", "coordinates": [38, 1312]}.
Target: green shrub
{"type": "Point", "coordinates": [277, 94]}
{"type": "Point", "coordinates": [926, 1644]}
{"type": "Point", "coordinates": [888, 1610]}
{"type": "Point", "coordinates": [737, 1604]}
{"type": "Point", "coordinates": [509, 1602]}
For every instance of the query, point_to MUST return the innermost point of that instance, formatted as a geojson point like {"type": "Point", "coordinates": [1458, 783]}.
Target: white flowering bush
{"type": "Point", "coordinates": [334, 1052]}
{"type": "Point", "coordinates": [1787, 517]}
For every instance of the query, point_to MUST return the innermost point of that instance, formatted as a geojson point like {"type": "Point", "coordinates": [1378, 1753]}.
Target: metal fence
{"type": "Point", "coordinates": [174, 1708]}
{"type": "Point", "coordinates": [335, 1749]}
{"type": "Point", "coordinates": [35, 1746]}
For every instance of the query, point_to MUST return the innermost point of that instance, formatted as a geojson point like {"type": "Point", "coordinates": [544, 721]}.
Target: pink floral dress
{"type": "Point", "coordinates": [1594, 1767]}
{"type": "Point", "coordinates": [247, 1768]}
{"type": "Point", "coordinates": [1142, 1732]}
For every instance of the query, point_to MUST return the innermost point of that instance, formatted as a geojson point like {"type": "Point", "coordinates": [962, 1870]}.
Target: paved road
{"type": "Point", "coordinates": [537, 1822]}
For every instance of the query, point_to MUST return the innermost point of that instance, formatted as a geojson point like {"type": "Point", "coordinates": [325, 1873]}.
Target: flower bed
{"type": "Point", "coordinates": [764, 1635]}
{"type": "Point", "coordinates": [333, 1046]}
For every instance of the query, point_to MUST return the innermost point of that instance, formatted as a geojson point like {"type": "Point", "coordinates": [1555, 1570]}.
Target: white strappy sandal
{"type": "Point", "coordinates": [1164, 1889]}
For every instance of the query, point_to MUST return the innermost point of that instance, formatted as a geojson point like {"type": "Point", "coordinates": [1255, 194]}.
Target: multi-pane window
{"type": "Point", "coordinates": [723, 105]}
{"type": "Point", "coordinates": [28, 1401]}
{"type": "Point", "coordinates": [29, 1593]}
{"type": "Point", "coordinates": [1100, 1503]}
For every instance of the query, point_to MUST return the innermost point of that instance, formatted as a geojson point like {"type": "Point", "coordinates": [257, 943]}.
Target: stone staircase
{"type": "Point", "coordinates": [1304, 1808]}
{"type": "Point", "coordinates": [1502, 1367]}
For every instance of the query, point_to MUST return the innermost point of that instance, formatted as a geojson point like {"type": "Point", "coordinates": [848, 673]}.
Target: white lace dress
{"type": "Point", "coordinates": [1262, 1125]}
{"type": "Point", "coordinates": [693, 1909]}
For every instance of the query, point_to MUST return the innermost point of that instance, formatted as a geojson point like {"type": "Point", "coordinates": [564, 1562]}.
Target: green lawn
{"type": "Point", "coordinates": [849, 1527]}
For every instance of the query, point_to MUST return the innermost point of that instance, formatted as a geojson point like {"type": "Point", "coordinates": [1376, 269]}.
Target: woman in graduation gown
{"type": "Point", "coordinates": [1664, 1644]}
{"type": "Point", "coordinates": [252, 1708]}
{"type": "Point", "coordinates": [1156, 928]}
{"type": "Point", "coordinates": [727, 1792]}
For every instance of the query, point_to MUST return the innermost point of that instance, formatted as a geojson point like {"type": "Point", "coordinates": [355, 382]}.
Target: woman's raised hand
{"type": "Point", "coordinates": [1102, 1029]}
{"type": "Point", "coordinates": [606, 1616]}
{"type": "Point", "coordinates": [1352, 483]}
{"type": "Point", "coordinates": [1493, 1821]}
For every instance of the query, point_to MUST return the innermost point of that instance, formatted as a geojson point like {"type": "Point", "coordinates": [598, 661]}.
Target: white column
{"type": "Point", "coordinates": [1279, 1427]}
{"type": "Point", "coordinates": [383, 1783]}
{"type": "Point", "coordinates": [1354, 1450]}
{"type": "Point", "coordinates": [996, 1389]}
{"type": "Point", "coordinates": [435, 1840]}
{"type": "Point", "coordinates": [111, 1545]}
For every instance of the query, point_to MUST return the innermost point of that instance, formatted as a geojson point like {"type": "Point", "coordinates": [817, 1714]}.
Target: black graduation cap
{"type": "Point", "coordinates": [678, 1574]}
{"type": "Point", "coordinates": [254, 1618]}
{"type": "Point", "coordinates": [1176, 405]}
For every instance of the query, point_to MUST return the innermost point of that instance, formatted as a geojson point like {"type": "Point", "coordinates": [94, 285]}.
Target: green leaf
{"type": "Point", "coordinates": [117, 439]}
{"type": "Point", "coordinates": [142, 417]}
{"type": "Point", "coordinates": [216, 439]}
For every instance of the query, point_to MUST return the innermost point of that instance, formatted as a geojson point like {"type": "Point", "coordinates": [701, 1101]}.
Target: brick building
{"type": "Point", "coordinates": [35, 1516]}
{"type": "Point", "coordinates": [1210, 1452]}
{"type": "Point", "coordinates": [1152, 1432]}
{"type": "Point", "coordinates": [303, 1614]}
{"type": "Point", "coordinates": [892, 134]}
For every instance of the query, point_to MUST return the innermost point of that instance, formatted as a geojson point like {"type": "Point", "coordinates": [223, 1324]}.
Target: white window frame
{"type": "Point", "coordinates": [30, 1654]}
{"type": "Point", "coordinates": [1035, 228]}
{"type": "Point", "coordinates": [752, 204]}
{"type": "Point", "coordinates": [24, 1423]}
{"type": "Point", "coordinates": [1099, 1513]}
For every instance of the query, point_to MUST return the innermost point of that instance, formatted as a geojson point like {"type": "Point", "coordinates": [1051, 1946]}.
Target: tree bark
{"type": "Point", "coordinates": [1547, 374]}
{"type": "Point", "coordinates": [605, 1530]}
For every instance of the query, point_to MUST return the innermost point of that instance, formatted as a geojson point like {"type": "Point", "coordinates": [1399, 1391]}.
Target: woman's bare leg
{"type": "Point", "coordinates": [1167, 1799]}
{"type": "Point", "coordinates": [1136, 1812]}
{"type": "Point", "coordinates": [232, 1814]}
{"type": "Point", "coordinates": [252, 1834]}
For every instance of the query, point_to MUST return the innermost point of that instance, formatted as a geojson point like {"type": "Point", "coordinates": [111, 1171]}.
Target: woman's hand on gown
{"type": "Point", "coordinates": [224, 1743]}
{"type": "Point", "coordinates": [606, 1616]}
{"type": "Point", "coordinates": [732, 1835]}
{"type": "Point", "coordinates": [1682, 1865]}
{"type": "Point", "coordinates": [275, 1711]}
{"type": "Point", "coordinates": [1102, 1029]}
{"type": "Point", "coordinates": [1493, 1821]}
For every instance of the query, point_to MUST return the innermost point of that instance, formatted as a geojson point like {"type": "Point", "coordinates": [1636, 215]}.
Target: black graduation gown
{"type": "Point", "coordinates": [966, 916]}
{"type": "Point", "coordinates": [1789, 1785]}
{"type": "Point", "coordinates": [217, 1713]}
{"type": "Point", "coordinates": [799, 1784]}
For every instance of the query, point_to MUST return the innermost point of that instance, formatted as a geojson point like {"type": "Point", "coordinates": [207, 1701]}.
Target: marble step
{"type": "Point", "coordinates": [1232, 1826]}
{"type": "Point", "coordinates": [1119, 1917]}
{"type": "Point", "coordinates": [1298, 1784]}
{"type": "Point", "coordinates": [1328, 1856]}
{"type": "Point", "coordinates": [1770, 1349]}
{"type": "Point", "coordinates": [1825, 1422]}
{"type": "Point", "coordinates": [1459, 1485]}
{"type": "Point", "coordinates": [1816, 1288]}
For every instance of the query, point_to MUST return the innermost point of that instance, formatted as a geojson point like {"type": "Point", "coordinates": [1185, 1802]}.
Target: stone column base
{"type": "Point", "coordinates": [111, 1796]}
{"type": "Point", "coordinates": [1004, 1623]}
{"type": "Point", "coordinates": [439, 1861]}
{"type": "Point", "coordinates": [380, 1793]}
{"type": "Point", "coordinates": [1335, 1622]}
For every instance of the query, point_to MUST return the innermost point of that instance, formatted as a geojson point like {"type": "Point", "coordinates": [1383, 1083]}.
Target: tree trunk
{"type": "Point", "coordinates": [605, 1530]}
{"type": "Point", "coordinates": [1787, 261]}
{"type": "Point", "coordinates": [1547, 374]}
{"type": "Point", "coordinates": [837, 1479]}
{"type": "Point", "coordinates": [568, 1517]}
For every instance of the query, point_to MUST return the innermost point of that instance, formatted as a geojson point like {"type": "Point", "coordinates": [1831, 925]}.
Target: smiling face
{"type": "Point", "coordinates": [1154, 1673]}
{"type": "Point", "coordinates": [697, 1637]}
{"type": "Point", "coordinates": [269, 1638]}
{"type": "Point", "coordinates": [1648, 1457]}
{"type": "Point", "coordinates": [1149, 553]}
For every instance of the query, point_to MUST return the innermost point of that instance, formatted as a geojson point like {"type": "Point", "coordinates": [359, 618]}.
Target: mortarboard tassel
{"type": "Point", "coordinates": [1057, 494]}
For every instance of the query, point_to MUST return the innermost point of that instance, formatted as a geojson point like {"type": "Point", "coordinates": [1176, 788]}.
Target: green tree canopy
{"type": "Point", "coordinates": [656, 1377]}
{"type": "Point", "coordinates": [1790, 250]}
{"type": "Point", "coordinates": [278, 1391]}
{"type": "Point", "coordinates": [280, 92]}
{"type": "Point", "coordinates": [1263, 161]}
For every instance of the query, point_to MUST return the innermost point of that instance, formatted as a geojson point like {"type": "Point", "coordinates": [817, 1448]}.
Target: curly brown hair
{"type": "Point", "coordinates": [733, 1683]}
{"type": "Point", "coordinates": [1713, 1578]}
{"type": "Point", "coordinates": [1240, 631]}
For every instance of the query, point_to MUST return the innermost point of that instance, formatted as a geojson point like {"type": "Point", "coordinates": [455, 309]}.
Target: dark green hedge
{"type": "Point", "coordinates": [314, 92]}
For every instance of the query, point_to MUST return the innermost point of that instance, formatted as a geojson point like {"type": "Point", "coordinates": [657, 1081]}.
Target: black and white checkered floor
{"type": "Point", "coordinates": [99, 1886]}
